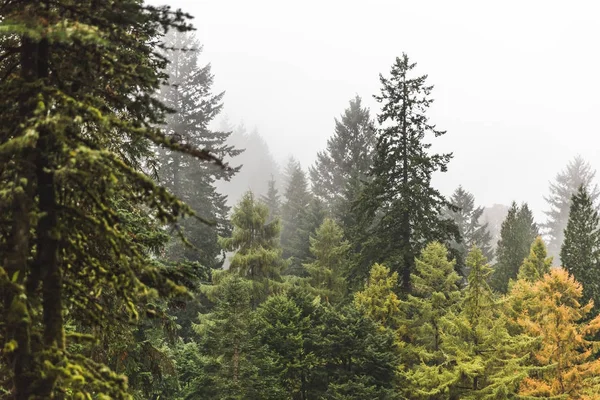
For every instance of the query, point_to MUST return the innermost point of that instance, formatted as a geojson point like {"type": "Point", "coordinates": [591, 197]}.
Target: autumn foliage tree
{"type": "Point", "coordinates": [564, 355]}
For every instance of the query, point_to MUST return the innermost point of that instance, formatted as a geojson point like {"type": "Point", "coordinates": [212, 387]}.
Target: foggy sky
{"type": "Point", "coordinates": [516, 82]}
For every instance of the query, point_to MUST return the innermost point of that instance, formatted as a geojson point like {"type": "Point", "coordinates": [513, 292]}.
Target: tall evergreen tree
{"type": "Point", "coordinates": [577, 172]}
{"type": "Point", "coordinates": [255, 243]}
{"type": "Point", "coordinates": [189, 93]}
{"type": "Point", "coordinates": [295, 216]}
{"type": "Point", "coordinates": [272, 200]}
{"type": "Point", "coordinates": [468, 219]}
{"type": "Point", "coordinates": [400, 208]}
{"type": "Point", "coordinates": [580, 253]}
{"type": "Point", "coordinates": [348, 157]}
{"type": "Point", "coordinates": [537, 264]}
{"type": "Point", "coordinates": [517, 233]}
{"type": "Point", "coordinates": [330, 251]}
{"type": "Point", "coordinates": [483, 358]}
{"type": "Point", "coordinates": [77, 121]}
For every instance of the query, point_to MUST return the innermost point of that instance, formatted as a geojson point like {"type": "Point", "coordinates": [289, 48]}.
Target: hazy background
{"type": "Point", "coordinates": [516, 82]}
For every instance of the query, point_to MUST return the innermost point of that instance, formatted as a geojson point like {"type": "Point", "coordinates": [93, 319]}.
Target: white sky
{"type": "Point", "coordinates": [516, 82]}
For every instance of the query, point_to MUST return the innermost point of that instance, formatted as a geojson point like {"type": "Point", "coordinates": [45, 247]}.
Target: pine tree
{"type": "Point", "coordinates": [580, 252]}
{"type": "Point", "coordinates": [295, 217]}
{"type": "Point", "coordinates": [467, 217]}
{"type": "Point", "coordinates": [330, 251]}
{"type": "Point", "coordinates": [272, 200]}
{"type": "Point", "coordinates": [348, 157]}
{"type": "Point", "coordinates": [255, 243]}
{"type": "Point", "coordinates": [577, 172]}
{"type": "Point", "coordinates": [189, 93]}
{"type": "Point", "coordinates": [400, 209]}
{"type": "Point", "coordinates": [78, 121]}
{"type": "Point", "coordinates": [537, 264]}
{"type": "Point", "coordinates": [517, 233]}
{"type": "Point", "coordinates": [565, 357]}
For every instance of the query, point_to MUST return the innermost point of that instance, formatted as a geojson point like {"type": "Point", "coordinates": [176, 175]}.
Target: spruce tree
{"type": "Point", "coordinates": [400, 209]}
{"type": "Point", "coordinates": [348, 156]}
{"type": "Point", "coordinates": [272, 200]}
{"type": "Point", "coordinates": [580, 252]}
{"type": "Point", "coordinates": [189, 94]}
{"type": "Point", "coordinates": [517, 233]}
{"type": "Point", "coordinates": [255, 242]}
{"type": "Point", "coordinates": [295, 216]}
{"type": "Point", "coordinates": [577, 172]}
{"type": "Point", "coordinates": [467, 218]}
{"type": "Point", "coordinates": [537, 264]}
{"type": "Point", "coordinates": [330, 251]}
{"type": "Point", "coordinates": [78, 120]}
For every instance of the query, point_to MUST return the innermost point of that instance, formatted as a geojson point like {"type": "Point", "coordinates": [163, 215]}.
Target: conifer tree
{"type": "Point", "coordinates": [189, 93]}
{"type": "Point", "coordinates": [348, 157]}
{"type": "Point", "coordinates": [272, 200]}
{"type": "Point", "coordinates": [467, 218]}
{"type": "Point", "coordinates": [580, 253]}
{"type": "Point", "coordinates": [517, 233]}
{"type": "Point", "coordinates": [378, 299]}
{"type": "Point", "coordinates": [435, 294]}
{"type": "Point", "coordinates": [399, 207]}
{"type": "Point", "coordinates": [77, 123]}
{"type": "Point", "coordinates": [255, 243]}
{"type": "Point", "coordinates": [537, 264]}
{"type": "Point", "coordinates": [295, 217]}
{"type": "Point", "coordinates": [330, 251]}
{"type": "Point", "coordinates": [567, 182]}
{"type": "Point", "coordinates": [484, 359]}
{"type": "Point", "coordinates": [565, 357]}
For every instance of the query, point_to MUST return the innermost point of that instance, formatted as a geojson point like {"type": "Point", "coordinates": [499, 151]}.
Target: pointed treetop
{"type": "Point", "coordinates": [537, 264]}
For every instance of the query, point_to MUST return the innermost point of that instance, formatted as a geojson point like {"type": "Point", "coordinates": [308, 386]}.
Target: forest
{"type": "Point", "coordinates": [152, 249]}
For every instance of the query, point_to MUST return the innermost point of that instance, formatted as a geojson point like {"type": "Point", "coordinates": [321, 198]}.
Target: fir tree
{"type": "Point", "coordinates": [577, 172]}
{"type": "Point", "coordinates": [295, 218]}
{"type": "Point", "coordinates": [467, 218]}
{"type": "Point", "coordinates": [348, 157]}
{"type": "Point", "coordinates": [77, 123]}
{"type": "Point", "coordinates": [400, 208]}
{"type": "Point", "coordinates": [537, 264]}
{"type": "Point", "coordinates": [189, 93]}
{"type": "Point", "coordinates": [330, 251]}
{"type": "Point", "coordinates": [517, 233]}
{"type": "Point", "coordinates": [580, 253]}
{"type": "Point", "coordinates": [272, 200]}
{"type": "Point", "coordinates": [255, 243]}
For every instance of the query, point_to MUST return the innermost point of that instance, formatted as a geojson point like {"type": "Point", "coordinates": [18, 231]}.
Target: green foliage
{"type": "Point", "coordinates": [580, 252]}
{"type": "Point", "coordinates": [295, 216]}
{"type": "Point", "coordinates": [537, 264]}
{"type": "Point", "coordinates": [348, 158]}
{"type": "Point", "coordinates": [78, 125]}
{"type": "Point", "coordinates": [467, 218]}
{"type": "Point", "coordinates": [272, 200]}
{"type": "Point", "coordinates": [330, 251]}
{"type": "Point", "coordinates": [400, 210]}
{"type": "Point", "coordinates": [567, 182]}
{"type": "Point", "coordinates": [378, 299]}
{"type": "Point", "coordinates": [255, 242]}
{"type": "Point", "coordinates": [517, 233]}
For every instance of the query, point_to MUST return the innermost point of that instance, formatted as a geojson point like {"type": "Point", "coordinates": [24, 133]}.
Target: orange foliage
{"type": "Point", "coordinates": [553, 314]}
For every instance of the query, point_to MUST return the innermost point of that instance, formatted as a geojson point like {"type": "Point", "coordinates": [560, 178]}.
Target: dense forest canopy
{"type": "Point", "coordinates": [147, 254]}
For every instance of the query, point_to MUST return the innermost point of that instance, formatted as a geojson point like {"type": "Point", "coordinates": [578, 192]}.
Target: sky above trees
{"type": "Point", "coordinates": [514, 78]}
